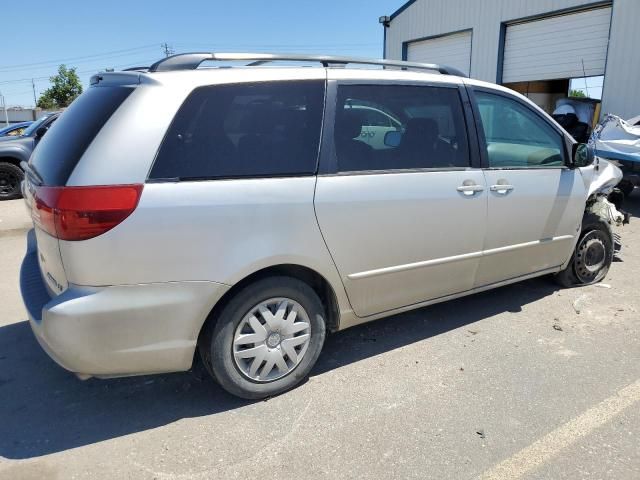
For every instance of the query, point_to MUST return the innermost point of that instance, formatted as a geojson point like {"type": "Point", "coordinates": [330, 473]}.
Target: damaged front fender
{"type": "Point", "coordinates": [607, 211]}
{"type": "Point", "coordinates": [603, 175]}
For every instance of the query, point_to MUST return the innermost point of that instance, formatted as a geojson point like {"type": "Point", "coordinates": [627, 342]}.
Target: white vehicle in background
{"type": "Point", "coordinates": [375, 124]}
{"type": "Point", "coordinates": [618, 140]}
{"type": "Point", "coordinates": [635, 121]}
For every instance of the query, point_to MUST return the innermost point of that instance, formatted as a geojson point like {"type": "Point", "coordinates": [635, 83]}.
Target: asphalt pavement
{"type": "Point", "coordinates": [527, 381]}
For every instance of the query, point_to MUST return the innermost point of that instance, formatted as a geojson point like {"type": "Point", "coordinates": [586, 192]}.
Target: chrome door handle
{"type": "Point", "coordinates": [501, 189]}
{"type": "Point", "coordinates": [470, 189]}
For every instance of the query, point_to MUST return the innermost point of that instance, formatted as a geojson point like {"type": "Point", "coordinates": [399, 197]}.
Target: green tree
{"type": "Point", "coordinates": [65, 87]}
{"type": "Point", "coordinates": [577, 94]}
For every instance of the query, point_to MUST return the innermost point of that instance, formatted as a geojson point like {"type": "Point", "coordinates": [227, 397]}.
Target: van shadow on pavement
{"type": "Point", "coordinates": [45, 409]}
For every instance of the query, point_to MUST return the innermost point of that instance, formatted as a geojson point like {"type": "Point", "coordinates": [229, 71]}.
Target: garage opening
{"type": "Point", "coordinates": [553, 68]}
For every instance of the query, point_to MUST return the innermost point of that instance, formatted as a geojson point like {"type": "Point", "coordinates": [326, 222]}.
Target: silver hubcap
{"type": "Point", "coordinates": [271, 339]}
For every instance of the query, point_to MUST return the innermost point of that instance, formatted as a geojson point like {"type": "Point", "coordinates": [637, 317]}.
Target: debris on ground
{"type": "Point", "coordinates": [557, 327]}
{"type": "Point", "coordinates": [480, 433]}
{"type": "Point", "coordinates": [579, 303]}
{"type": "Point", "coordinates": [603, 285]}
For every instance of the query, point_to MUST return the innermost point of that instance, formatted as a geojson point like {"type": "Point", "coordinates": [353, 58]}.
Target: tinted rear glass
{"type": "Point", "coordinates": [244, 130]}
{"type": "Point", "coordinates": [59, 151]}
{"type": "Point", "coordinates": [399, 127]}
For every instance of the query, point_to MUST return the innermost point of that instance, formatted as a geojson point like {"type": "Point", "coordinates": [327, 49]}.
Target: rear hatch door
{"type": "Point", "coordinates": [52, 163]}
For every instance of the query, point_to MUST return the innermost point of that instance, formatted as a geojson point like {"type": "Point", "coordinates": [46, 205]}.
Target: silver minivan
{"type": "Point", "coordinates": [244, 212]}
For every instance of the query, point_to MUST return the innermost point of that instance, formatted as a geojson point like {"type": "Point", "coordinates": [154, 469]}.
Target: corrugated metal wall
{"type": "Point", "coordinates": [426, 18]}
{"type": "Point", "coordinates": [621, 94]}
{"type": "Point", "coordinates": [436, 17]}
{"type": "Point", "coordinates": [451, 50]}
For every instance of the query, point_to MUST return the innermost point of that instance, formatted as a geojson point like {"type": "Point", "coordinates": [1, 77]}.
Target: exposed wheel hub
{"type": "Point", "coordinates": [591, 257]}
{"type": "Point", "coordinates": [594, 255]}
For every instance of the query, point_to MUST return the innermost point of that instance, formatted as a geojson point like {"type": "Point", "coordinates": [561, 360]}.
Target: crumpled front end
{"type": "Point", "coordinates": [604, 199]}
{"type": "Point", "coordinates": [616, 139]}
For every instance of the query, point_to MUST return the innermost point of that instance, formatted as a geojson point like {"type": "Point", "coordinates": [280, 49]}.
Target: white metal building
{"type": "Point", "coordinates": [533, 46]}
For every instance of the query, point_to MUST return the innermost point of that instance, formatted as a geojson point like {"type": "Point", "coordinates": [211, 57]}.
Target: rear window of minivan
{"type": "Point", "coordinates": [244, 130]}
{"type": "Point", "coordinates": [59, 151]}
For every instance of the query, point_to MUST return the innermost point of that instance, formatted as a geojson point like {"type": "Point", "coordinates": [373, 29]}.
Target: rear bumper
{"type": "Point", "coordinates": [117, 330]}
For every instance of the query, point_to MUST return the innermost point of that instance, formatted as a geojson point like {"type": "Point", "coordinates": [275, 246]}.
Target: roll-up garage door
{"type": "Point", "coordinates": [565, 46]}
{"type": "Point", "coordinates": [453, 50]}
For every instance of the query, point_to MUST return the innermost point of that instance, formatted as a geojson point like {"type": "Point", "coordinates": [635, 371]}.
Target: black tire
{"type": "Point", "coordinates": [596, 235]}
{"type": "Point", "coordinates": [10, 178]}
{"type": "Point", "coordinates": [617, 197]}
{"type": "Point", "coordinates": [626, 187]}
{"type": "Point", "coordinates": [216, 343]}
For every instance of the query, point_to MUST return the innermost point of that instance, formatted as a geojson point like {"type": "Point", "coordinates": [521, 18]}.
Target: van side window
{"type": "Point", "coordinates": [397, 127]}
{"type": "Point", "coordinates": [516, 136]}
{"type": "Point", "coordinates": [244, 130]}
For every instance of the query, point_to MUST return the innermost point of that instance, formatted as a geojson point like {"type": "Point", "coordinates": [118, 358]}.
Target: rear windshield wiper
{"type": "Point", "coordinates": [181, 179]}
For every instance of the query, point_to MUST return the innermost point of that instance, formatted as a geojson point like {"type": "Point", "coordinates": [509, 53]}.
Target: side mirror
{"type": "Point", "coordinates": [392, 138]}
{"type": "Point", "coordinates": [41, 131]}
{"type": "Point", "coordinates": [582, 155]}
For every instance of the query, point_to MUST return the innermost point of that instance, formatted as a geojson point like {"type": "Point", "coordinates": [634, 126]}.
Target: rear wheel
{"type": "Point", "coordinates": [266, 339]}
{"type": "Point", "coordinates": [592, 256]}
{"type": "Point", "coordinates": [10, 178]}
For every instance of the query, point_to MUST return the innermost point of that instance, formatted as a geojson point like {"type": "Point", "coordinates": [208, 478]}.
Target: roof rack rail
{"type": "Point", "coordinates": [135, 69]}
{"type": "Point", "coordinates": [191, 61]}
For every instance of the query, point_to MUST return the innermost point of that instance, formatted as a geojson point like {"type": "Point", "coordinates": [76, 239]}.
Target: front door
{"type": "Point", "coordinates": [404, 220]}
{"type": "Point", "coordinates": [535, 202]}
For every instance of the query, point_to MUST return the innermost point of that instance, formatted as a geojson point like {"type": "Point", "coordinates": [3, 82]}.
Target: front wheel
{"type": "Point", "coordinates": [592, 256]}
{"type": "Point", "coordinates": [266, 339]}
{"type": "Point", "coordinates": [10, 178]}
{"type": "Point", "coordinates": [626, 186]}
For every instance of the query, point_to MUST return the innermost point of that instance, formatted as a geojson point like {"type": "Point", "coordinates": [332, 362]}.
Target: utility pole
{"type": "Point", "coordinates": [4, 107]}
{"type": "Point", "coordinates": [584, 73]}
{"type": "Point", "coordinates": [35, 101]}
{"type": "Point", "coordinates": [167, 50]}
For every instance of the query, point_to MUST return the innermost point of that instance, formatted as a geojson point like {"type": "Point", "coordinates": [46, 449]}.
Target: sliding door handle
{"type": "Point", "coordinates": [501, 189]}
{"type": "Point", "coordinates": [470, 189]}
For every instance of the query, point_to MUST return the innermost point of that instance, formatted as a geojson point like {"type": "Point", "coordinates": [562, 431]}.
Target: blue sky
{"type": "Point", "coordinates": [39, 35]}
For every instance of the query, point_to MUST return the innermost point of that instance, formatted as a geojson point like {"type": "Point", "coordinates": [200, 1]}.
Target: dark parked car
{"type": "Point", "coordinates": [14, 130]}
{"type": "Point", "coordinates": [15, 149]}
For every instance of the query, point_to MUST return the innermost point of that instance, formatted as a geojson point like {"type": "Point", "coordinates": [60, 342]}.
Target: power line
{"type": "Point", "coordinates": [166, 50]}
{"type": "Point", "coordinates": [145, 61]}
{"type": "Point", "coordinates": [81, 72]}
{"type": "Point", "coordinates": [276, 45]}
{"type": "Point", "coordinates": [13, 94]}
{"type": "Point", "coordinates": [76, 63]}
{"type": "Point", "coordinates": [69, 59]}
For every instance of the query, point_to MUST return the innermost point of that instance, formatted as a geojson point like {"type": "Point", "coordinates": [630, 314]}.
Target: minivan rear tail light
{"type": "Point", "coordinates": [80, 213]}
